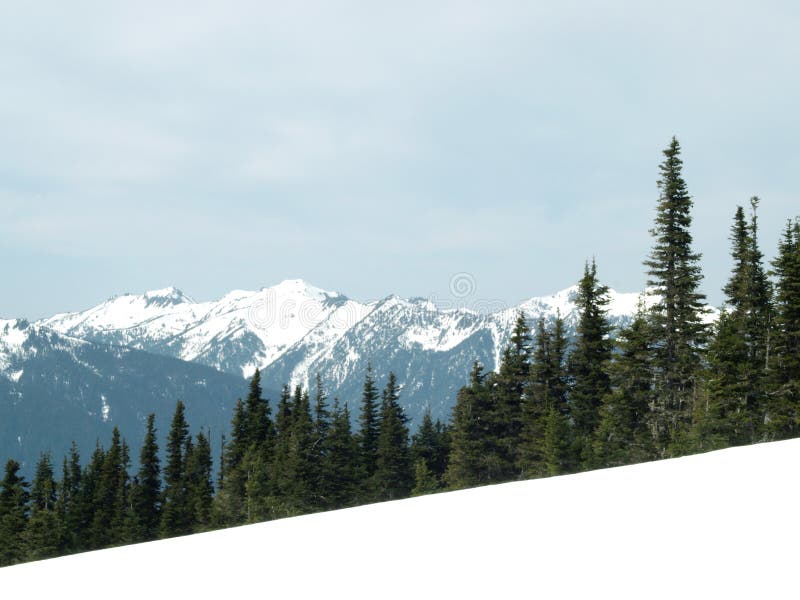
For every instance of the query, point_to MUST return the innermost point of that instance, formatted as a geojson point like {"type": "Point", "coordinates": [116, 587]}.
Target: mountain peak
{"type": "Point", "coordinates": [168, 296]}
{"type": "Point", "coordinates": [302, 287]}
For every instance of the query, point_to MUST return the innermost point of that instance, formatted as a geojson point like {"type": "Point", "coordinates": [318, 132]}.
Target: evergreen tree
{"type": "Point", "coordinates": [146, 495]}
{"type": "Point", "coordinates": [300, 495]}
{"type": "Point", "coordinates": [547, 389]}
{"type": "Point", "coordinates": [323, 485]}
{"type": "Point", "coordinates": [736, 381]}
{"type": "Point", "coordinates": [110, 496]}
{"type": "Point", "coordinates": [783, 416]}
{"type": "Point", "coordinates": [42, 535]}
{"type": "Point", "coordinates": [199, 488]}
{"type": "Point", "coordinates": [507, 391]}
{"type": "Point", "coordinates": [13, 515]}
{"type": "Point", "coordinates": [425, 482]}
{"type": "Point", "coordinates": [676, 318]}
{"type": "Point", "coordinates": [430, 445]}
{"type": "Point", "coordinates": [623, 435]}
{"type": "Point", "coordinates": [230, 499]}
{"type": "Point", "coordinates": [341, 459]}
{"type": "Point", "coordinates": [588, 364]}
{"type": "Point", "coordinates": [368, 430]}
{"type": "Point", "coordinates": [176, 516]}
{"type": "Point", "coordinates": [393, 477]}
{"type": "Point", "coordinates": [68, 501]}
{"type": "Point", "coordinates": [469, 463]}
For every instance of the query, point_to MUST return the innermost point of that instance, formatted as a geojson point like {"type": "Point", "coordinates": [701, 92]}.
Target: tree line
{"type": "Point", "coordinates": [667, 384]}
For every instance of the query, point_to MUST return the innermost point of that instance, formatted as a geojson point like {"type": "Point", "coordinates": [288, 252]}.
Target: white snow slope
{"type": "Point", "coordinates": [718, 525]}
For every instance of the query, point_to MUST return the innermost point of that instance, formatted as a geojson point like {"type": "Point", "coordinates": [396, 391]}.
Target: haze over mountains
{"type": "Point", "coordinates": [115, 362]}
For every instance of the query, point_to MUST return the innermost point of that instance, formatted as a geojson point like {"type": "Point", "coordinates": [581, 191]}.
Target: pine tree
{"type": "Point", "coordinates": [393, 477]}
{"type": "Point", "coordinates": [13, 515]}
{"type": "Point", "coordinates": [736, 381]}
{"type": "Point", "coordinates": [588, 364]}
{"type": "Point", "coordinates": [341, 458]}
{"type": "Point", "coordinates": [467, 464]}
{"type": "Point", "coordinates": [783, 412]}
{"type": "Point", "coordinates": [146, 500]}
{"type": "Point", "coordinates": [368, 431]}
{"type": "Point", "coordinates": [623, 435]}
{"type": "Point", "coordinates": [430, 444]}
{"type": "Point", "coordinates": [676, 318]}
{"type": "Point", "coordinates": [323, 485]}
{"type": "Point", "coordinates": [300, 495]}
{"type": "Point", "coordinates": [425, 482]}
{"type": "Point", "coordinates": [199, 488]}
{"type": "Point", "coordinates": [230, 500]}
{"type": "Point", "coordinates": [547, 389]}
{"type": "Point", "coordinates": [176, 518]}
{"type": "Point", "coordinates": [507, 391]}
{"type": "Point", "coordinates": [110, 496]}
{"type": "Point", "coordinates": [69, 501]}
{"type": "Point", "coordinates": [42, 535]}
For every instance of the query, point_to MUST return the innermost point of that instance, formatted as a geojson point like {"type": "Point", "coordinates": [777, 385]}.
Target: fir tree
{"type": "Point", "coordinates": [300, 495]}
{"type": "Point", "coordinates": [393, 477]}
{"type": "Point", "coordinates": [736, 381]}
{"type": "Point", "coordinates": [425, 482]}
{"type": "Point", "coordinates": [42, 535]}
{"type": "Point", "coordinates": [546, 390]}
{"type": "Point", "coordinates": [676, 318]}
{"type": "Point", "coordinates": [588, 364]}
{"type": "Point", "coordinates": [176, 517]}
{"type": "Point", "coordinates": [13, 515]}
{"type": "Point", "coordinates": [368, 430]}
{"type": "Point", "coordinates": [110, 496]}
{"type": "Point", "coordinates": [341, 458]}
{"type": "Point", "coordinates": [623, 436]}
{"type": "Point", "coordinates": [469, 437]}
{"type": "Point", "coordinates": [199, 488]}
{"type": "Point", "coordinates": [507, 391]}
{"type": "Point", "coordinates": [430, 445]}
{"type": "Point", "coordinates": [783, 416]}
{"type": "Point", "coordinates": [146, 499]}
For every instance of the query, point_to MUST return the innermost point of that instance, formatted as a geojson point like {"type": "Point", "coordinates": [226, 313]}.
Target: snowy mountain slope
{"type": "Point", "coordinates": [242, 330]}
{"type": "Point", "coordinates": [716, 525]}
{"type": "Point", "coordinates": [293, 330]}
{"type": "Point", "coordinates": [55, 389]}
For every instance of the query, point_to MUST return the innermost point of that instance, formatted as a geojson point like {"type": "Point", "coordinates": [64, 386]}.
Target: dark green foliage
{"type": "Point", "coordinates": [341, 460]}
{"type": "Point", "coordinates": [783, 412]}
{"type": "Point", "coordinates": [110, 496]}
{"type": "Point", "coordinates": [470, 462]}
{"type": "Point", "coordinates": [431, 445]}
{"type": "Point", "coordinates": [13, 515]}
{"type": "Point", "coordinates": [297, 487]}
{"type": "Point", "coordinates": [43, 534]}
{"type": "Point", "coordinates": [146, 493]}
{"type": "Point", "coordinates": [623, 436]}
{"type": "Point", "coordinates": [558, 452]}
{"type": "Point", "coordinates": [737, 355]}
{"type": "Point", "coordinates": [676, 318]}
{"type": "Point", "coordinates": [425, 482]}
{"type": "Point", "coordinates": [176, 514]}
{"type": "Point", "coordinates": [199, 488]}
{"type": "Point", "coordinates": [507, 390]}
{"type": "Point", "coordinates": [392, 478]}
{"type": "Point", "coordinates": [368, 428]}
{"type": "Point", "coordinates": [588, 363]}
{"type": "Point", "coordinates": [546, 390]}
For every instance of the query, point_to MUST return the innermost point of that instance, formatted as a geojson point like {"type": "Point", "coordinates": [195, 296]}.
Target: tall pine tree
{"type": "Point", "coordinates": [676, 318]}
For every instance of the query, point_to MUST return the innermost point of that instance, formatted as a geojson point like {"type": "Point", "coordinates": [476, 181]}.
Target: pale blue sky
{"type": "Point", "coordinates": [376, 147]}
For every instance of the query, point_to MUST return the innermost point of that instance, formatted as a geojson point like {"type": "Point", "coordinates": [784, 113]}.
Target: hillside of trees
{"type": "Point", "coordinates": [668, 384]}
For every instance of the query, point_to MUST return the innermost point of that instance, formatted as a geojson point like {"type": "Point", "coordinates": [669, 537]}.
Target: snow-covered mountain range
{"type": "Point", "coordinates": [294, 330]}
{"type": "Point", "coordinates": [56, 389]}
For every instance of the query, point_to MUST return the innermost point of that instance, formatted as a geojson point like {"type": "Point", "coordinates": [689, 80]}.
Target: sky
{"type": "Point", "coordinates": [376, 148]}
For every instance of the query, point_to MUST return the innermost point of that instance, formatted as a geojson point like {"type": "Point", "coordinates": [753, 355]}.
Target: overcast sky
{"type": "Point", "coordinates": [376, 147]}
